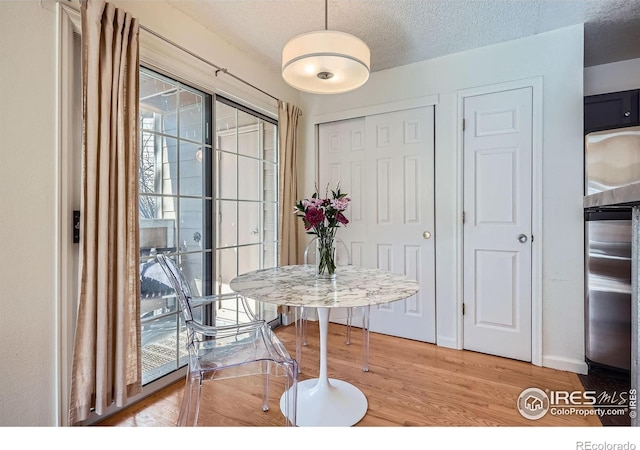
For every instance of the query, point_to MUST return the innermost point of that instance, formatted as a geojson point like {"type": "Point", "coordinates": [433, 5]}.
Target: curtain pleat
{"type": "Point", "coordinates": [107, 366]}
{"type": "Point", "coordinates": [288, 116]}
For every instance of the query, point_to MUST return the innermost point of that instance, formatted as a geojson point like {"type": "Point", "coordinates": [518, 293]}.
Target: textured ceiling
{"type": "Point", "coordinates": [401, 32]}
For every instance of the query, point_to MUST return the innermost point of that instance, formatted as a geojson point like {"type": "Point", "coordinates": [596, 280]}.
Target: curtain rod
{"type": "Point", "coordinates": [178, 46]}
{"type": "Point", "coordinates": [218, 68]}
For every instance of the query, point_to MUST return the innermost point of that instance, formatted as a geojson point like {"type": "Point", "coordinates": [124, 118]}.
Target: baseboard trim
{"type": "Point", "coordinates": [287, 319]}
{"type": "Point", "coordinates": [566, 364]}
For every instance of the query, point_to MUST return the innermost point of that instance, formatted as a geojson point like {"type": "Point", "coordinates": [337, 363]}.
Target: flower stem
{"type": "Point", "coordinates": [326, 253]}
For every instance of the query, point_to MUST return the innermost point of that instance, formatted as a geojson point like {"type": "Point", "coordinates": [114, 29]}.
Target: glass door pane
{"type": "Point", "coordinates": [175, 211]}
{"type": "Point", "coordinates": [247, 195]}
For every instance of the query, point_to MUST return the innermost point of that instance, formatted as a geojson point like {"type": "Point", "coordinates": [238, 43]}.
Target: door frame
{"type": "Point", "coordinates": [536, 84]}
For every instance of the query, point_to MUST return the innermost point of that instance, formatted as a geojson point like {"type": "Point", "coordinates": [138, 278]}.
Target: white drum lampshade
{"type": "Point", "coordinates": [326, 62]}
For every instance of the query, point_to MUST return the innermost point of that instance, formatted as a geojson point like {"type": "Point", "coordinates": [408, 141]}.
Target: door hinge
{"type": "Point", "coordinates": [463, 216]}
{"type": "Point", "coordinates": [464, 124]}
{"type": "Point", "coordinates": [463, 309]}
{"type": "Point", "coordinates": [532, 238]}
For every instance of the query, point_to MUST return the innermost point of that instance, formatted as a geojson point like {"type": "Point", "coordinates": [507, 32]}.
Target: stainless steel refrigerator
{"type": "Point", "coordinates": [612, 159]}
{"type": "Point", "coordinates": [608, 297]}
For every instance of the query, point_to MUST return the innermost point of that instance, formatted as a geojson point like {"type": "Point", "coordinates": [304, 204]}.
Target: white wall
{"type": "Point", "coordinates": [29, 393]}
{"type": "Point", "coordinates": [613, 77]}
{"type": "Point", "coordinates": [28, 205]}
{"type": "Point", "coordinates": [555, 56]}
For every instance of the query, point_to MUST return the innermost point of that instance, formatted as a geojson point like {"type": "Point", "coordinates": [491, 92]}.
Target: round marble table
{"type": "Point", "coordinates": [325, 401]}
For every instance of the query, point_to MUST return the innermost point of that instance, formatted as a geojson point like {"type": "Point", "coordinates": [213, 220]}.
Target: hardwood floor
{"type": "Point", "coordinates": [409, 384]}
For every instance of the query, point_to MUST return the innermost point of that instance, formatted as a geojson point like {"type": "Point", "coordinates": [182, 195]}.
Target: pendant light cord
{"type": "Point", "coordinates": [326, 14]}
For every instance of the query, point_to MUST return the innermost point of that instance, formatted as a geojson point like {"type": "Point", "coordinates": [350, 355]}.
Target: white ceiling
{"type": "Point", "coordinates": [400, 32]}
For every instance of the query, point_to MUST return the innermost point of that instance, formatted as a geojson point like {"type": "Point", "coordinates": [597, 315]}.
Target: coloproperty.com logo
{"type": "Point", "coordinates": [534, 403]}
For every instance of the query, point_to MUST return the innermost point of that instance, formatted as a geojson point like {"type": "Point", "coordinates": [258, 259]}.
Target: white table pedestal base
{"type": "Point", "coordinates": [338, 404]}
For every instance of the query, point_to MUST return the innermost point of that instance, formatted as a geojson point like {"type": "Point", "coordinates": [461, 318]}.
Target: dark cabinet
{"type": "Point", "coordinates": [614, 110]}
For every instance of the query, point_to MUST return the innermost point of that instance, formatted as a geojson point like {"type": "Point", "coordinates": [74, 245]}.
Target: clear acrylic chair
{"type": "Point", "coordinates": [230, 348]}
{"type": "Point", "coordinates": [302, 314]}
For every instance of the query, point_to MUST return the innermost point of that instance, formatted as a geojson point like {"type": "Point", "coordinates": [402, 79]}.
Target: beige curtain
{"type": "Point", "coordinates": [288, 223]}
{"type": "Point", "coordinates": [107, 365]}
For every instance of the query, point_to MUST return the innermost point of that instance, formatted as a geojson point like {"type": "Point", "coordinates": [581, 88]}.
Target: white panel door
{"type": "Point", "coordinates": [342, 162]}
{"type": "Point", "coordinates": [386, 162]}
{"type": "Point", "coordinates": [497, 228]}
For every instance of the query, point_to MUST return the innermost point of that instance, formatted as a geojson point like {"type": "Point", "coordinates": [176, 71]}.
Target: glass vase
{"type": "Point", "coordinates": [325, 258]}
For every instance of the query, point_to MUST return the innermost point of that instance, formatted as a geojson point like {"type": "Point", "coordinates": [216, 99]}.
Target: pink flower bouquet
{"type": "Point", "coordinates": [322, 217]}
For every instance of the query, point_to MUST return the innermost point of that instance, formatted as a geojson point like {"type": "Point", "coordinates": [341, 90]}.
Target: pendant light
{"type": "Point", "coordinates": [325, 62]}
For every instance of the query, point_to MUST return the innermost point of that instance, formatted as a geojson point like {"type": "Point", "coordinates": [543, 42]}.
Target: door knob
{"type": "Point", "coordinates": [426, 235]}
{"type": "Point", "coordinates": [522, 238]}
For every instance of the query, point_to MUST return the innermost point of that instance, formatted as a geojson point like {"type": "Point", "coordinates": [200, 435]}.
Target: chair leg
{"type": "Point", "coordinates": [266, 372]}
{"type": "Point", "coordinates": [365, 336]}
{"type": "Point", "coordinates": [349, 318]}
{"type": "Point", "coordinates": [190, 402]}
{"type": "Point", "coordinates": [291, 393]}
{"type": "Point", "coordinates": [184, 406]}
{"type": "Point", "coordinates": [298, 319]}
{"type": "Point", "coordinates": [305, 322]}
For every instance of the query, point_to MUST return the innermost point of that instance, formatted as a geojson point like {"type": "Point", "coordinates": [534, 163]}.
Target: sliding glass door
{"type": "Point", "coordinates": [213, 208]}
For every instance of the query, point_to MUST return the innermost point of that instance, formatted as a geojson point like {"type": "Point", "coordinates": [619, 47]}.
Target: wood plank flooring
{"type": "Point", "coordinates": [409, 384]}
